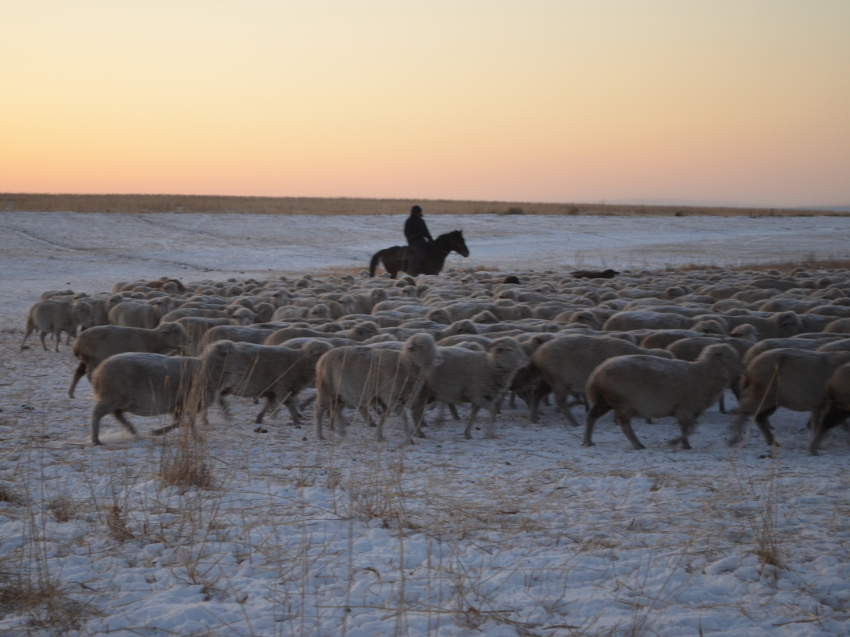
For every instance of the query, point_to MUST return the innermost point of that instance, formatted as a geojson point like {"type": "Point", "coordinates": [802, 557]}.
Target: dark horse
{"type": "Point", "coordinates": [395, 258]}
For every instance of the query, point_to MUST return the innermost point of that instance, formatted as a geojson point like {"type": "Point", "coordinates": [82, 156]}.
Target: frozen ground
{"type": "Point", "coordinates": [525, 534]}
{"type": "Point", "coordinates": [95, 250]}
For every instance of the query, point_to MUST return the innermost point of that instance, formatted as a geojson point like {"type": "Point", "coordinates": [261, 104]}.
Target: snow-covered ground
{"type": "Point", "coordinates": [524, 534]}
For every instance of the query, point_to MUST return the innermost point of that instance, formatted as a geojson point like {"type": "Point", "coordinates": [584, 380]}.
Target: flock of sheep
{"type": "Point", "coordinates": [641, 343]}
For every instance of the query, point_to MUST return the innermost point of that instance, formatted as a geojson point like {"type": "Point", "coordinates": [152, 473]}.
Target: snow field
{"type": "Point", "coordinates": [525, 534]}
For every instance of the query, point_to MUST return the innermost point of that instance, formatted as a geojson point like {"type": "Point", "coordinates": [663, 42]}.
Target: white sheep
{"type": "Point", "coordinates": [651, 387]}
{"type": "Point", "coordinates": [149, 385]}
{"type": "Point", "coordinates": [479, 378]}
{"type": "Point", "coordinates": [55, 317]}
{"type": "Point", "coordinates": [835, 409]}
{"type": "Point", "coordinates": [147, 315]}
{"type": "Point", "coordinates": [792, 378]}
{"type": "Point", "coordinates": [98, 343]}
{"type": "Point", "coordinates": [364, 376]}
{"type": "Point", "coordinates": [256, 371]}
{"type": "Point", "coordinates": [565, 364]}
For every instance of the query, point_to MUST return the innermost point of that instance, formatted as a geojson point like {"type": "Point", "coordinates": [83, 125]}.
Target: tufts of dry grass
{"type": "Point", "coordinates": [185, 462]}
{"type": "Point", "coordinates": [134, 204]}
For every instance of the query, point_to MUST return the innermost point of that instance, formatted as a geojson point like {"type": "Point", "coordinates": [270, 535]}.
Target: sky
{"type": "Point", "coordinates": [735, 102]}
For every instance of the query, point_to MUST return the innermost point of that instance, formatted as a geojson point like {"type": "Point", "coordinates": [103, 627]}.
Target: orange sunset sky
{"type": "Point", "coordinates": [738, 102]}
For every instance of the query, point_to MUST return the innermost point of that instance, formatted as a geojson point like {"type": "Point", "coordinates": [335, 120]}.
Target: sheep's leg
{"type": "Point", "coordinates": [30, 330]}
{"type": "Point", "coordinates": [225, 408]}
{"type": "Point", "coordinates": [687, 427]}
{"type": "Point", "coordinates": [81, 370]}
{"type": "Point", "coordinates": [453, 411]}
{"type": "Point", "coordinates": [99, 411]}
{"type": "Point", "coordinates": [379, 430]}
{"type": "Point", "coordinates": [57, 336]}
{"type": "Point", "coordinates": [41, 336]}
{"type": "Point", "coordinates": [540, 390]}
{"type": "Point", "coordinates": [721, 405]}
{"type": "Point", "coordinates": [561, 402]}
{"type": "Point", "coordinates": [175, 423]}
{"type": "Point", "coordinates": [119, 416]}
{"type": "Point", "coordinates": [764, 425]}
{"type": "Point", "coordinates": [417, 412]}
{"type": "Point", "coordinates": [512, 401]}
{"type": "Point", "coordinates": [491, 426]}
{"type": "Point", "coordinates": [318, 412]}
{"type": "Point", "coordinates": [367, 417]}
{"type": "Point", "coordinates": [829, 420]}
{"type": "Point", "coordinates": [741, 415]}
{"type": "Point", "coordinates": [626, 427]}
{"type": "Point", "coordinates": [289, 403]}
{"type": "Point", "coordinates": [441, 413]}
{"type": "Point", "coordinates": [596, 412]}
{"type": "Point", "coordinates": [468, 431]}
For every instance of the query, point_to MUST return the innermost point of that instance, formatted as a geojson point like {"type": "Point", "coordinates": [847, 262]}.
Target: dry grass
{"type": "Point", "coordinates": [185, 463]}
{"type": "Point", "coordinates": [810, 263]}
{"type": "Point", "coordinates": [15, 202]}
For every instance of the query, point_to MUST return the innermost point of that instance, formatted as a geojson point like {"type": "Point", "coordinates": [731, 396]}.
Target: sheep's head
{"type": "Point", "coordinates": [319, 311]}
{"type": "Point", "coordinates": [709, 326]}
{"type": "Point", "coordinates": [485, 317]}
{"type": "Point", "coordinates": [508, 353]}
{"type": "Point", "coordinates": [314, 348]}
{"type": "Point", "coordinates": [363, 331]}
{"type": "Point", "coordinates": [462, 327]}
{"type": "Point", "coordinates": [789, 323]}
{"type": "Point", "coordinates": [585, 317]}
{"type": "Point", "coordinates": [422, 350]}
{"type": "Point", "coordinates": [264, 312]}
{"type": "Point", "coordinates": [746, 331]}
{"type": "Point", "coordinates": [242, 316]}
{"type": "Point", "coordinates": [175, 336]}
{"type": "Point", "coordinates": [726, 357]}
{"type": "Point", "coordinates": [84, 314]}
{"type": "Point", "coordinates": [439, 315]}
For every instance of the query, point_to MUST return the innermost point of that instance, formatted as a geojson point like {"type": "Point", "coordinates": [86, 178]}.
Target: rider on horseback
{"type": "Point", "coordinates": [418, 238]}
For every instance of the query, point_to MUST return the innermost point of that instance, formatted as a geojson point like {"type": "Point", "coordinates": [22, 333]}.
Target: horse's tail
{"type": "Point", "coordinates": [374, 263]}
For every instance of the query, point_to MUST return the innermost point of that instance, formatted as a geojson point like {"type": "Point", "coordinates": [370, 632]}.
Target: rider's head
{"type": "Point", "coordinates": [416, 211]}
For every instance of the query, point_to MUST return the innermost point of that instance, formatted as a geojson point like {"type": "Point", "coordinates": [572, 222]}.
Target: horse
{"type": "Point", "coordinates": [395, 258]}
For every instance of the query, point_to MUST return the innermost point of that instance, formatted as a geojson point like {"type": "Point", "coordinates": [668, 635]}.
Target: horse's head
{"type": "Point", "coordinates": [457, 243]}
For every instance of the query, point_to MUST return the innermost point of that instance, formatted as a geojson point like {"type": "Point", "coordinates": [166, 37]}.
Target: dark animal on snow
{"type": "Point", "coordinates": [395, 259]}
{"type": "Point", "coordinates": [594, 274]}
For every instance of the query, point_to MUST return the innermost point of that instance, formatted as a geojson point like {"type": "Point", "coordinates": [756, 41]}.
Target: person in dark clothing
{"type": "Point", "coordinates": [418, 238]}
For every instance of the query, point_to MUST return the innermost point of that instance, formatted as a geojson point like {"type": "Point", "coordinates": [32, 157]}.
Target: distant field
{"type": "Point", "coordinates": [343, 206]}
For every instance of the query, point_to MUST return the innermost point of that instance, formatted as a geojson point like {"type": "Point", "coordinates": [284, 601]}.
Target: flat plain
{"type": "Point", "coordinates": [524, 534]}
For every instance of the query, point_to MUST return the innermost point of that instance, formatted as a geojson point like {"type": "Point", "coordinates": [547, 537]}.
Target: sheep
{"type": "Point", "coordinates": [661, 339]}
{"type": "Point", "coordinates": [777, 343]}
{"type": "Point", "coordinates": [98, 343]}
{"type": "Point", "coordinates": [196, 327]}
{"type": "Point", "coordinates": [55, 317]}
{"type": "Point", "coordinates": [235, 333]}
{"type": "Point", "coordinates": [362, 376]}
{"type": "Point", "coordinates": [792, 378]}
{"type": "Point", "coordinates": [635, 320]}
{"type": "Point", "coordinates": [566, 363]}
{"type": "Point", "coordinates": [148, 385]}
{"type": "Point", "coordinates": [836, 407]}
{"type": "Point", "coordinates": [277, 374]}
{"type": "Point", "coordinates": [779, 325]}
{"type": "Point", "coordinates": [147, 315]}
{"type": "Point", "coordinates": [479, 378]}
{"type": "Point", "coordinates": [650, 387]}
